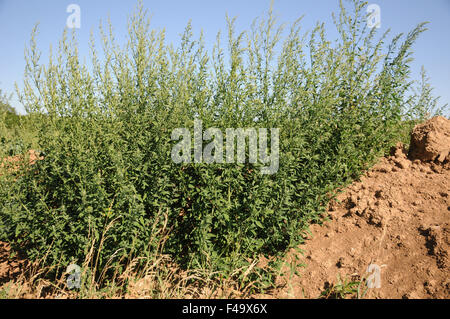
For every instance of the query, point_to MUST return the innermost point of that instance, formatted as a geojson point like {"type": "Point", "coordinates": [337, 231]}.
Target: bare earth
{"type": "Point", "coordinates": [397, 217]}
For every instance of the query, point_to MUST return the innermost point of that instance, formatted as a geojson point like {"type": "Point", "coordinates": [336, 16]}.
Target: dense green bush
{"type": "Point", "coordinates": [105, 130]}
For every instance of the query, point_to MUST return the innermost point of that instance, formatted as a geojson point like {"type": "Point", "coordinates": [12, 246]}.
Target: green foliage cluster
{"type": "Point", "coordinates": [15, 135]}
{"type": "Point", "coordinates": [105, 130]}
{"type": "Point", "coordinates": [5, 107]}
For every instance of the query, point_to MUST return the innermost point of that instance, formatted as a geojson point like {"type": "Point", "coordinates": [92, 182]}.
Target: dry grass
{"type": "Point", "coordinates": [155, 276]}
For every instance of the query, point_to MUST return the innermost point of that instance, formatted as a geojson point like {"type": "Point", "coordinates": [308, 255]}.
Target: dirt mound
{"type": "Point", "coordinates": [431, 140]}
{"type": "Point", "coordinates": [396, 217]}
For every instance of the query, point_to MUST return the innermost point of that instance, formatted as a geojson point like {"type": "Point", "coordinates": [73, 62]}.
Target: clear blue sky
{"type": "Point", "coordinates": [17, 18]}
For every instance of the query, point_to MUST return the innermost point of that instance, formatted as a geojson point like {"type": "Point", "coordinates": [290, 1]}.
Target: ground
{"type": "Point", "coordinates": [396, 216]}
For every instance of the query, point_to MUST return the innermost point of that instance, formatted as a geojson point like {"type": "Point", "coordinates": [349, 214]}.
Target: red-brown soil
{"type": "Point", "coordinates": [10, 266]}
{"type": "Point", "coordinates": [13, 163]}
{"type": "Point", "coordinates": [396, 216]}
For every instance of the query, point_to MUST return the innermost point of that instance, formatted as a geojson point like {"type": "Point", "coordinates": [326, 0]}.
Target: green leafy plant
{"type": "Point", "coordinates": [343, 289]}
{"type": "Point", "coordinates": [105, 129]}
